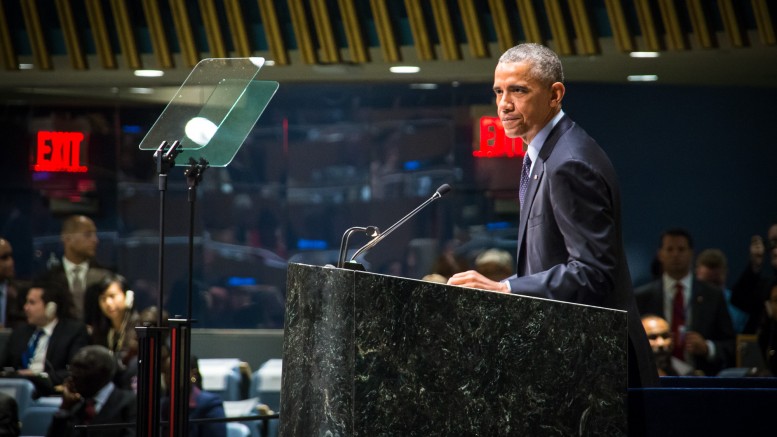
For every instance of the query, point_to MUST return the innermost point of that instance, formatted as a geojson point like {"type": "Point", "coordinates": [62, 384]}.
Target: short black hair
{"type": "Point", "coordinates": [676, 232]}
{"type": "Point", "coordinates": [94, 362]}
{"type": "Point", "coordinates": [55, 292]}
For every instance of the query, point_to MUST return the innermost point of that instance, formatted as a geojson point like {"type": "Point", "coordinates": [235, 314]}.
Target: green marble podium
{"type": "Point", "coordinates": [374, 355]}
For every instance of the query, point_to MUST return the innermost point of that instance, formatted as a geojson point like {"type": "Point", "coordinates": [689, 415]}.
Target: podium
{"type": "Point", "coordinates": [374, 355]}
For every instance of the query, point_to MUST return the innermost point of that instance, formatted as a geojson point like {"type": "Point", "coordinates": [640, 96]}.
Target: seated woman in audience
{"type": "Point", "coordinates": [116, 327]}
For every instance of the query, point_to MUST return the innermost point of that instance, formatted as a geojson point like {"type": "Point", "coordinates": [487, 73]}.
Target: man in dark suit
{"type": "Point", "coordinates": [11, 290]}
{"type": "Point", "coordinates": [570, 244]}
{"type": "Point", "coordinates": [78, 270]}
{"type": "Point", "coordinates": [49, 339]}
{"type": "Point", "coordinates": [697, 312]}
{"type": "Point", "coordinates": [90, 398]}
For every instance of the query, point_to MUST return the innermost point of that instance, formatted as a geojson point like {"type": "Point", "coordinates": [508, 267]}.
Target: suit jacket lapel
{"type": "Point", "coordinates": [534, 182]}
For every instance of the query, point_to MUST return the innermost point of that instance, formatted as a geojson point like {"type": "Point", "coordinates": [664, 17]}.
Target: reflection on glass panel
{"type": "Point", "coordinates": [321, 159]}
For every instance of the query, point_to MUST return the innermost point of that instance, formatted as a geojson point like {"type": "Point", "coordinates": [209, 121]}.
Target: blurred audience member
{"type": "Point", "coordinates": [50, 338]}
{"type": "Point", "coordinates": [701, 327]}
{"type": "Point", "coordinates": [712, 268]}
{"type": "Point", "coordinates": [90, 398]}
{"type": "Point", "coordinates": [435, 277]}
{"type": "Point", "coordinates": [202, 404]}
{"type": "Point", "coordinates": [660, 338]}
{"type": "Point", "coordinates": [767, 335]}
{"type": "Point", "coordinates": [11, 312]}
{"type": "Point", "coordinates": [495, 264]}
{"type": "Point", "coordinates": [9, 416]}
{"type": "Point", "coordinates": [78, 269]}
{"type": "Point", "coordinates": [753, 286]}
{"type": "Point", "coordinates": [116, 328]}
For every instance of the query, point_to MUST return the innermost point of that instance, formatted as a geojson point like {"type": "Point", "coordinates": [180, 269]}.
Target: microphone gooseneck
{"type": "Point", "coordinates": [441, 191]}
{"type": "Point", "coordinates": [371, 231]}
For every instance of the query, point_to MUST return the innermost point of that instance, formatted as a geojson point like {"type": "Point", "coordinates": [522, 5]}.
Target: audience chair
{"type": "Point", "coordinates": [20, 389]}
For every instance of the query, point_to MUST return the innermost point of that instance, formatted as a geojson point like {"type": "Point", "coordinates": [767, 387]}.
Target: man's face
{"type": "Point", "coordinates": [35, 308]}
{"type": "Point", "coordinates": [524, 104]}
{"type": "Point", "coordinates": [675, 256]}
{"type": "Point", "coordinates": [714, 276]}
{"type": "Point", "coordinates": [82, 242]}
{"type": "Point", "coordinates": [660, 338]}
{"type": "Point", "coordinates": [7, 270]}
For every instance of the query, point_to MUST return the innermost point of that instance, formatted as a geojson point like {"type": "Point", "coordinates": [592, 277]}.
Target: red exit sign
{"type": "Point", "coordinates": [59, 152]}
{"type": "Point", "coordinates": [494, 143]}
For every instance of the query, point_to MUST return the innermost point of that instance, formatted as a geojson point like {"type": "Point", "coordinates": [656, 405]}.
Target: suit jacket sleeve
{"type": "Point", "coordinates": [586, 235]}
{"type": "Point", "coordinates": [65, 342]}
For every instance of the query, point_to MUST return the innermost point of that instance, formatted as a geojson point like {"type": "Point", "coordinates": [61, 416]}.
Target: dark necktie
{"type": "Point", "coordinates": [524, 178]}
{"type": "Point", "coordinates": [678, 321]}
{"type": "Point", "coordinates": [32, 344]}
{"type": "Point", "coordinates": [78, 283]}
{"type": "Point", "coordinates": [89, 410]}
{"type": "Point", "coordinates": [77, 290]}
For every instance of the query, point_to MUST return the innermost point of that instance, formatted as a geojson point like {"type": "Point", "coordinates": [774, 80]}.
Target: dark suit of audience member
{"type": "Point", "coordinates": [767, 333]}
{"type": "Point", "coordinates": [78, 270]}
{"type": "Point", "coordinates": [90, 398]}
{"type": "Point", "coordinates": [705, 336]}
{"type": "Point", "coordinates": [11, 290]}
{"type": "Point", "coordinates": [9, 416]}
{"type": "Point", "coordinates": [59, 337]}
{"type": "Point", "coordinates": [752, 287]}
{"type": "Point", "coordinates": [202, 404]}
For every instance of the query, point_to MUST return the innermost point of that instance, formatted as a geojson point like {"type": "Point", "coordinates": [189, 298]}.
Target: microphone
{"type": "Point", "coordinates": [443, 190]}
{"type": "Point", "coordinates": [371, 231]}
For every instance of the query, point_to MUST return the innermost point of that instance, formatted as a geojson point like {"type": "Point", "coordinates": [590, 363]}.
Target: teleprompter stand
{"type": "Point", "coordinates": [204, 124]}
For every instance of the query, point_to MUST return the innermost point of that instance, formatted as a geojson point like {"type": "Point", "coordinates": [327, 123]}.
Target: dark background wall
{"type": "Point", "coordinates": [696, 157]}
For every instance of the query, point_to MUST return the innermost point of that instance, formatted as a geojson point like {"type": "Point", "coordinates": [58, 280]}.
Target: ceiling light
{"type": "Point", "coordinates": [149, 73]}
{"type": "Point", "coordinates": [25, 66]}
{"type": "Point", "coordinates": [404, 69]}
{"type": "Point", "coordinates": [141, 90]}
{"type": "Point", "coordinates": [642, 78]}
{"type": "Point", "coordinates": [644, 54]}
{"type": "Point", "coordinates": [269, 62]}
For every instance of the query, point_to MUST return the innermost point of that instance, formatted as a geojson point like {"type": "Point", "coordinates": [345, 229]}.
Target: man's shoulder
{"type": "Point", "coordinates": [122, 396]}
{"type": "Point", "coordinates": [703, 289]}
{"type": "Point", "coordinates": [649, 288]}
{"type": "Point", "coordinates": [71, 326]}
{"type": "Point", "coordinates": [22, 330]}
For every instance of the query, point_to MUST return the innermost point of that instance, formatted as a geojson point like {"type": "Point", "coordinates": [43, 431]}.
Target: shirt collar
{"type": "Point", "coordinates": [686, 281]}
{"type": "Point", "coordinates": [102, 396]}
{"type": "Point", "coordinates": [49, 327]}
{"type": "Point", "coordinates": [70, 265]}
{"type": "Point", "coordinates": [539, 140]}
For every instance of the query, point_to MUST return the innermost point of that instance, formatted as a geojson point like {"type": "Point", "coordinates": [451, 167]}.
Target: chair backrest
{"type": "Point", "coordinates": [37, 419]}
{"type": "Point", "coordinates": [237, 429]}
{"type": "Point", "coordinates": [19, 389]}
{"type": "Point", "coordinates": [266, 383]}
{"type": "Point", "coordinates": [221, 376]}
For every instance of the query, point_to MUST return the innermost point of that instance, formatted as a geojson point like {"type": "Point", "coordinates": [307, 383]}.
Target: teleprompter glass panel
{"type": "Point", "coordinates": [213, 111]}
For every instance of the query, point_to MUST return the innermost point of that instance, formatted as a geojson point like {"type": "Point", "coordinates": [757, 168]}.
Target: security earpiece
{"type": "Point", "coordinates": [51, 310]}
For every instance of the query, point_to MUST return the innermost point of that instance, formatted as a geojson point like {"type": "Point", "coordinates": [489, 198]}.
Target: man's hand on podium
{"type": "Point", "coordinates": [473, 279]}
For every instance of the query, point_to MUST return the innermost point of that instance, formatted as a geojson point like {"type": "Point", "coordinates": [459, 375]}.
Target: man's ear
{"type": "Point", "coordinates": [557, 91]}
